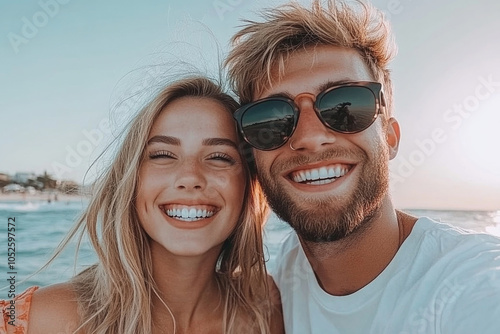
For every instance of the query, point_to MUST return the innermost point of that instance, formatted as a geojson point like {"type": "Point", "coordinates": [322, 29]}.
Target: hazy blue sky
{"type": "Point", "coordinates": [66, 64]}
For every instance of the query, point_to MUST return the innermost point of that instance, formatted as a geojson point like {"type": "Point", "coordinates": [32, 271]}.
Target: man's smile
{"type": "Point", "coordinates": [320, 175]}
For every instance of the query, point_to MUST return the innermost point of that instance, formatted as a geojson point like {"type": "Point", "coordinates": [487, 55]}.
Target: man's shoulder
{"type": "Point", "coordinates": [454, 272]}
{"type": "Point", "coordinates": [450, 236]}
{"type": "Point", "coordinates": [469, 278]}
{"type": "Point", "coordinates": [451, 251]}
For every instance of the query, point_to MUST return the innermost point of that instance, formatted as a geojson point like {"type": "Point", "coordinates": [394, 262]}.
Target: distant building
{"type": "Point", "coordinates": [24, 178]}
{"type": "Point", "coordinates": [46, 181]}
{"type": "Point", "coordinates": [13, 188]}
{"type": "Point", "coordinates": [4, 179]}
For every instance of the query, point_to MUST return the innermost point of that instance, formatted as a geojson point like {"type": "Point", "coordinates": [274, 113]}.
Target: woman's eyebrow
{"type": "Point", "coordinates": [165, 139]}
{"type": "Point", "coordinates": [219, 141]}
{"type": "Point", "coordinates": [206, 142]}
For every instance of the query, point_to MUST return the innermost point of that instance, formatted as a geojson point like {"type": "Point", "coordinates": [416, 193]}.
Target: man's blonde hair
{"type": "Point", "coordinates": [260, 49]}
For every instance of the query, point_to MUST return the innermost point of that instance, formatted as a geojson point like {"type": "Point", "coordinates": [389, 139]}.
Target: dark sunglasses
{"type": "Point", "coordinates": [350, 107]}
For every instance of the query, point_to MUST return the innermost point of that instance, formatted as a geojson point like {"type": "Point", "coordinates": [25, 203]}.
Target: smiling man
{"type": "Point", "coordinates": [317, 110]}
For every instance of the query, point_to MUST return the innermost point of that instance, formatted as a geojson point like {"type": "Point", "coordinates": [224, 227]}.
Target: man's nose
{"type": "Point", "coordinates": [310, 134]}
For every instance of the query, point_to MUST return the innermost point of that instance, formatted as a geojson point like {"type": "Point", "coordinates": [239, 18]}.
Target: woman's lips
{"type": "Point", "coordinates": [189, 212]}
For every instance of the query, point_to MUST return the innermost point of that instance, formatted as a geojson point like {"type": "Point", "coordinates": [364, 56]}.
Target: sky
{"type": "Point", "coordinates": [72, 72]}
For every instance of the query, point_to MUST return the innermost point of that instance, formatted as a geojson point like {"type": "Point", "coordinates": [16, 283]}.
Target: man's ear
{"type": "Point", "coordinates": [393, 135]}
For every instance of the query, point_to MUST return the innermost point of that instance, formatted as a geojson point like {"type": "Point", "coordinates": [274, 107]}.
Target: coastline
{"type": "Point", "coordinates": [41, 197]}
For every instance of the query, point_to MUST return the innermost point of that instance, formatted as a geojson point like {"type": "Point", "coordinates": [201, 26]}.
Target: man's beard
{"type": "Point", "coordinates": [324, 220]}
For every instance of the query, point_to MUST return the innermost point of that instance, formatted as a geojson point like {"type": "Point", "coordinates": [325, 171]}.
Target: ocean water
{"type": "Point", "coordinates": [40, 226]}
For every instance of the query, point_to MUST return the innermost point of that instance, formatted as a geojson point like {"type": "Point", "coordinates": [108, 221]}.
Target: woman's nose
{"type": "Point", "coordinates": [190, 176]}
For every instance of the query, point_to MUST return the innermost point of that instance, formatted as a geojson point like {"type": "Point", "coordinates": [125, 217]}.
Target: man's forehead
{"type": "Point", "coordinates": [313, 69]}
{"type": "Point", "coordinates": [280, 91]}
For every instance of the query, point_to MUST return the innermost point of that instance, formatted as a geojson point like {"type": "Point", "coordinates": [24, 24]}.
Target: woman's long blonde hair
{"type": "Point", "coordinates": [115, 295]}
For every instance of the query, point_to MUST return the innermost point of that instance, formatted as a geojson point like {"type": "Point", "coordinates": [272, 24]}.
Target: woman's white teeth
{"type": "Point", "coordinates": [321, 175]}
{"type": "Point", "coordinates": [189, 213]}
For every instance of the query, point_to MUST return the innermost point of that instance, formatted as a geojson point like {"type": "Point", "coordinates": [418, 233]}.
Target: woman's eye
{"type": "Point", "coordinates": [222, 157]}
{"type": "Point", "coordinates": [161, 155]}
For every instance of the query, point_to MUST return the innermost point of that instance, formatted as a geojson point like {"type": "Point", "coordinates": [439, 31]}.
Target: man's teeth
{"type": "Point", "coordinates": [321, 175]}
{"type": "Point", "coordinates": [189, 213]}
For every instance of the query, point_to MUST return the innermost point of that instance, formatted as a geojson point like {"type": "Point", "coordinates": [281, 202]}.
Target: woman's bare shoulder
{"type": "Point", "coordinates": [54, 309]}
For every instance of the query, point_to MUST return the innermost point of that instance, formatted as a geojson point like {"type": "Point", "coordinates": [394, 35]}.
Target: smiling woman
{"type": "Point", "coordinates": [176, 222]}
{"type": "Point", "coordinates": [192, 180]}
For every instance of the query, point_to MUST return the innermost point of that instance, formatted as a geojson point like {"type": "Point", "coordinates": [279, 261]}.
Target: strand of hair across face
{"type": "Point", "coordinates": [168, 309]}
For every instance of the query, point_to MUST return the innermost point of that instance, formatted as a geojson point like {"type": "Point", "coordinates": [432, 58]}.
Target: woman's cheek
{"type": "Point", "coordinates": [229, 182]}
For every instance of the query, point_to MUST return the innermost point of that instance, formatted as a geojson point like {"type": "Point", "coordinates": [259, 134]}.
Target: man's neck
{"type": "Point", "coordinates": [345, 266]}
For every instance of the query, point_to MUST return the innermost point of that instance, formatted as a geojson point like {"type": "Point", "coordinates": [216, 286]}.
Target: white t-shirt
{"type": "Point", "coordinates": [442, 280]}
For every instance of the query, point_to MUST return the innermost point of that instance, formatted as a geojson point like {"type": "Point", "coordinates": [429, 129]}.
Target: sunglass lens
{"type": "Point", "coordinates": [267, 125]}
{"type": "Point", "coordinates": [348, 109]}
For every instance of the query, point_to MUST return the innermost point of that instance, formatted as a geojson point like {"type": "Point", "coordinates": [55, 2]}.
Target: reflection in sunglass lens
{"type": "Point", "coordinates": [267, 125]}
{"type": "Point", "coordinates": [348, 109]}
